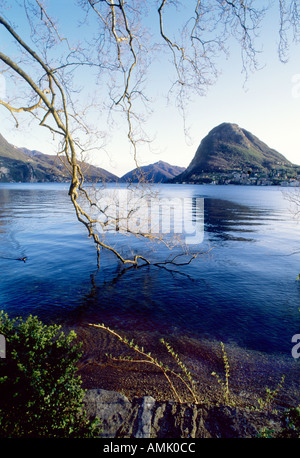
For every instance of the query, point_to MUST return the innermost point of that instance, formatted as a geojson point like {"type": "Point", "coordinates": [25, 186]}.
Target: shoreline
{"type": "Point", "coordinates": [250, 373]}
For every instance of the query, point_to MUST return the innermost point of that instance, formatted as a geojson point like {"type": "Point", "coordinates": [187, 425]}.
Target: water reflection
{"type": "Point", "coordinates": [237, 292]}
{"type": "Point", "coordinates": [226, 220]}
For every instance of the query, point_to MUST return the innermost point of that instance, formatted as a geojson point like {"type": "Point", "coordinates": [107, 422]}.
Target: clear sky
{"type": "Point", "coordinates": [268, 106]}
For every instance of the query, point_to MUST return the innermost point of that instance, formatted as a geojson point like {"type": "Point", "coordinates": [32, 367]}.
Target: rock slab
{"type": "Point", "coordinates": [147, 418]}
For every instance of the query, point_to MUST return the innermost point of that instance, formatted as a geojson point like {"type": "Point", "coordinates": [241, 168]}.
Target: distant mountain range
{"type": "Point", "coordinates": [59, 172]}
{"type": "Point", "coordinates": [159, 172]}
{"type": "Point", "coordinates": [227, 149]}
{"type": "Point", "coordinates": [228, 154]}
{"type": "Point", "coordinates": [23, 165]}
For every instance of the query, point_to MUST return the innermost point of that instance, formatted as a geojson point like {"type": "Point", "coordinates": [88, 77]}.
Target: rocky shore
{"type": "Point", "coordinates": [135, 400]}
{"type": "Point", "coordinates": [147, 418]}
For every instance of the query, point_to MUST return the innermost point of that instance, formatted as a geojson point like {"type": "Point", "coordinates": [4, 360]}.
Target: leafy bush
{"type": "Point", "coordinates": [40, 393]}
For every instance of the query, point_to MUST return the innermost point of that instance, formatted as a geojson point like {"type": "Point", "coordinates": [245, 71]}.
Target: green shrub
{"type": "Point", "coordinates": [40, 393]}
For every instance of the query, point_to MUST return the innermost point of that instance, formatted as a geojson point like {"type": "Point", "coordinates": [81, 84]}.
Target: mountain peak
{"type": "Point", "coordinates": [158, 172]}
{"type": "Point", "coordinates": [228, 147]}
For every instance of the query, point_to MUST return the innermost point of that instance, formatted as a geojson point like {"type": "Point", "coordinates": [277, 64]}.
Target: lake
{"type": "Point", "coordinates": [242, 290]}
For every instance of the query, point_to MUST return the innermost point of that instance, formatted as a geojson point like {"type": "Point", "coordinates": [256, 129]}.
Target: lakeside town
{"type": "Point", "coordinates": [272, 178]}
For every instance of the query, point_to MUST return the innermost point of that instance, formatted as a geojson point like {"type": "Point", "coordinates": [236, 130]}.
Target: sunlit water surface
{"type": "Point", "coordinates": [243, 291]}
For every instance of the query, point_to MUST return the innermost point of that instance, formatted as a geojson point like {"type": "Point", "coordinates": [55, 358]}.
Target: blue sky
{"type": "Point", "coordinates": [268, 106]}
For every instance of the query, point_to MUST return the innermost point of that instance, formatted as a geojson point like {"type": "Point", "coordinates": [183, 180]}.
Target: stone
{"type": "Point", "coordinates": [111, 407]}
{"type": "Point", "coordinates": [147, 418]}
{"type": "Point", "coordinates": [144, 423]}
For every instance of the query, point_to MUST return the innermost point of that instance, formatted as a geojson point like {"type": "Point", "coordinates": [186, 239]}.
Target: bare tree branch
{"type": "Point", "coordinates": [117, 44]}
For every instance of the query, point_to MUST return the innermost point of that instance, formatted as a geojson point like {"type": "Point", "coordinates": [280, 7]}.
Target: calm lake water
{"type": "Point", "coordinates": [243, 291]}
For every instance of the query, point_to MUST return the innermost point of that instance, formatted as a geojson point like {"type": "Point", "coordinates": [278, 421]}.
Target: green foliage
{"type": "Point", "coordinates": [291, 424]}
{"type": "Point", "coordinates": [266, 403]}
{"type": "Point", "coordinates": [290, 428]}
{"type": "Point", "coordinates": [146, 358]}
{"type": "Point", "coordinates": [186, 375]}
{"type": "Point", "coordinates": [41, 396]}
{"type": "Point", "coordinates": [224, 384]}
{"type": "Point", "coordinates": [266, 433]}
